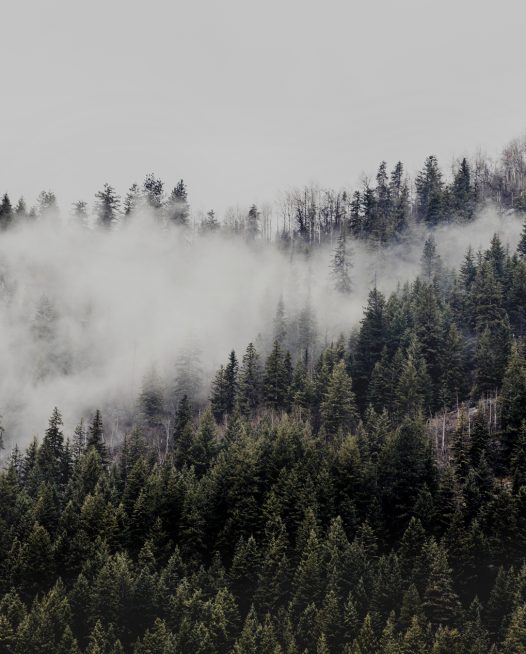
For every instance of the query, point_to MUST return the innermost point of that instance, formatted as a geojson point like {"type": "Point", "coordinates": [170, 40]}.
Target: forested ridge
{"type": "Point", "coordinates": [307, 505]}
{"type": "Point", "coordinates": [380, 209]}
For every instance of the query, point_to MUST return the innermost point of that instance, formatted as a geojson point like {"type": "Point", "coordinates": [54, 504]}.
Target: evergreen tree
{"type": "Point", "coordinates": [338, 407]}
{"type": "Point", "coordinates": [280, 323]}
{"type": "Point", "coordinates": [430, 261]}
{"type": "Point", "coordinates": [512, 401]}
{"type": "Point", "coordinates": [463, 196]}
{"type": "Point", "coordinates": [96, 439]}
{"type": "Point", "coordinates": [515, 639]}
{"type": "Point", "coordinates": [429, 193]}
{"type": "Point", "coordinates": [521, 247]}
{"type": "Point", "coordinates": [6, 212]}
{"type": "Point", "coordinates": [178, 207]}
{"type": "Point", "coordinates": [440, 600]}
{"type": "Point", "coordinates": [51, 453]}
{"type": "Point", "coordinates": [370, 344]}
{"type": "Point", "coordinates": [275, 382]}
{"type": "Point", "coordinates": [231, 382]}
{"type": "Point", "coordinates": [153, 192]}
{"type": "Point", "coordinates": [340, 266]}
{"type": "Point", "coordinates": [250, 381]}
{"type": "Point", "coordinates": [107, 204]}
{"type": "Point", "coordinates": [252, 224]}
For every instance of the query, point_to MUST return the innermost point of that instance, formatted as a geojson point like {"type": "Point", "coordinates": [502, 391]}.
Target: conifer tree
{"type": "Point", "coordinates": [430, 261]}
{"type": "Point", "coordinates": [107, 204]}
{"type": "Point", "coordinates": [463, 196]}
{"type": "Point", "coordinates": [250, 381]}
{"type": "Point", "coordinates": [370, 343]}
{"type": "Point", "coordinates": [153, 191]}
{"type": "Point", "coordinates": [429, 193]}
{"type": "Point", "coordinates": [515, 639]}
{"type": "Point", "coordinates": [51, 453]}
{"type": "Point", "coordinates": [96, 439]}
{"type": "Point", "coordinates": [218, 400]}
{"type": "Point", "coordinates": [440, 600]}
{"type": "Point", "coordinates": [338, 407]}
{"type": "Point", "coordinates": [512, 399]}
{"type": "Point", "coordinates": [177, 207]}
{"type": "Point", "coordinates": [6, 212]}
{"type": "Point", "coordinates": [275, 380]}
{"type": "Point", "coordinates": [280, 323]}
{"type": "Point", "coordinates": [231, 382]}
{"type": "Point", "coordinates": [341, 266]}
{"type": "Point", "coordinates": [521, 247]}
{"type": "Point", "coordinates": [252, 225]}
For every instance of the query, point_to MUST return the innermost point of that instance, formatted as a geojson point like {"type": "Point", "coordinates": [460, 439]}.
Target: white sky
{"type": "Point", "coordinates": [244, 98]}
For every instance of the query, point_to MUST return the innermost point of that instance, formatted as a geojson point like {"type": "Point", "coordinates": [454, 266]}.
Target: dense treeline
{"type": "Point", "coordinates": [307, 507]}
{"type": "Point", "coordinates": [380, 211]}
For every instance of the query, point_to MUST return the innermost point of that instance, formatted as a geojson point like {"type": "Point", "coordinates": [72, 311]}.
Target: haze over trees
{"type": "Point", "coordinates": [353, 493]}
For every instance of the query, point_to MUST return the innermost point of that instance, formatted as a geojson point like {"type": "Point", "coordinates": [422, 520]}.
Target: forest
{"type": "Point", "coordinates": [350, 480]}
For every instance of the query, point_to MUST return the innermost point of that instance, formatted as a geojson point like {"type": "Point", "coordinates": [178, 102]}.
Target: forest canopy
{"type": "Point", "coordinates": [350, 478]}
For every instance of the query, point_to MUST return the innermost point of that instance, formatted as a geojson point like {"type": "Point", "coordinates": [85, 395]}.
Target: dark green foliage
{"type": "Point", "coordinates": [302, 510]}
{"type": "Point", "coordinates": [277, 379]}
{"type": "Point", "coordinates": [95, 438]}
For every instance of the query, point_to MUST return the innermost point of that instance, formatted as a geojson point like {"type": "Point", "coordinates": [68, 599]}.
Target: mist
{"type": "Point", "coordinates": [86, 313]}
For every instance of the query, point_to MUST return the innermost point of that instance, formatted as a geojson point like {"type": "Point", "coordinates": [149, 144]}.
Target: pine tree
{"type": "Point", "coordinates": [429, 193]}
{"type": "Point", "coordinates": [231, 382]}
{"type": "Point", "coordinates": [367, 642]}
{"type": "Point", "coordinates": [441, 603]}
{"type": "Point", "coordinates": [51, 453]}
{"type": "Point", "coordinates": [210, 223]}
{"type": "Point", "coordinates": [338, 407]}
{"type": "Point", "coordinates": [107, 204]}
{"type": "Point", "coordinates": [6, 212]}
{"type": "Point", "coordinates": [370, 343]}
{"type": "Point", "coordinates": [152, 189]}
{"type": "Point", "coordinates": [95, 437]}
{"type": "Point", "coordinates": [21, 209]}
{"type": "Point", "coordinates": [132, 201]}
{"type": "Point", "coordinates": [430, 262]}
{"type": "Point", "coordinates": [460, 447]}
{"type": "Point", "coordinates": [252, 223]}
{"type": "Point", "coordinates": [412, 394]}
{"type": "Point", "coordinates": [521, 247]}
{"type": "Point", "coordinates": [512, 401]}
{"type": "Point", "coordinates": [250, 382]}
{"type": "Point", "coordinates": [341, 266]}
{"type": "Point", "coordinates": [151, 400]}
{"type": "Point", "coordinates": [399, 193]}
{"type": "Point", "coordinates": [515, 639]}
{"type": "Point", "coordinates": [463, 196]}
{"type": "Point", "coordinates": [275, 382]}
{"type": "Point", "coordinates": [178, 207]}
{"type": "Point", "coordinates": [518, 460]}
{"type": "Point", "coordinates": [280, 323]}
{"type": "Point", "coordinates": [454, 373]}
{"type": "Point", "coordinates": [218, 399]}
{"type": "Point", "coordinates": [183, 418]}
{"type": "Point", "coordinates": [157, 640]}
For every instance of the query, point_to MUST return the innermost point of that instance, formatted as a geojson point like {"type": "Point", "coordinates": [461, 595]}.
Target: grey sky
{"type": "Point", "coordinates": [245, 98]}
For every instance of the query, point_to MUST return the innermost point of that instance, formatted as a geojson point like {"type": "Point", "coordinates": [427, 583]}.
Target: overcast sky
{"type": "Point", "coordinates": [244, 98]}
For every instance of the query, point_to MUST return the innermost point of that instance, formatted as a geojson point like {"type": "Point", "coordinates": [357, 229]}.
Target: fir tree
{"type": "Point", "coordinates": [338, 407]}
{"type": "Point", "coordinates": [178, 207]}
{"type": "Point", "coordinates": [107, 204]}
{"type": "Point", "coordinates": [341, 266]}
{"type": "Point", "coordinates": [95, 437]}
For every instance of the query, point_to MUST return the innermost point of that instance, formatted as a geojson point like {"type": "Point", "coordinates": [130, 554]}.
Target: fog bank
{"type": "Point", "coordinates": [85, 314]}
